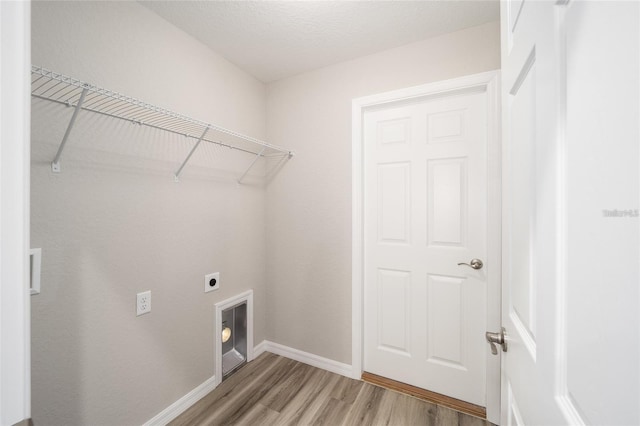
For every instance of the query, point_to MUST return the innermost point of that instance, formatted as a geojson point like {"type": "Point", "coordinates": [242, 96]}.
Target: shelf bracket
{"type": "Point", "coordinates": [251, 165]}
{"type": "Point", "coordinates": [55, 164]}
{"type": "Point", "coordinates": [176, 175]}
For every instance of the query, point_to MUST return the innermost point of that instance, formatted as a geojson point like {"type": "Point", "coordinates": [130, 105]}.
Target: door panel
{"type": "Point", "coordinates": [394, 303]}
{"type": "Point", "coordinates": [425, 212]}
{"type": "Point", "coordinates": [394, 198]}
{"type": "Point", "coordinates": [448, 126]}
{"type": "Point", "coordinates": [523, 199]}
{"type": "Point", "coordinates": [445, 306]}
{"type": "Point", "coordinates": [446, 202]}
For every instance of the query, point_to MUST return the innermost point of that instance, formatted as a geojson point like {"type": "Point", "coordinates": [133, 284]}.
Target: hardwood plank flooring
{"type": "Point", "coordinates": [273, 390]}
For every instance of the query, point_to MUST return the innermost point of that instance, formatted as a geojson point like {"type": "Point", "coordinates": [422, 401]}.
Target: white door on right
{"type": "Point", "coordinates": [571, 194]}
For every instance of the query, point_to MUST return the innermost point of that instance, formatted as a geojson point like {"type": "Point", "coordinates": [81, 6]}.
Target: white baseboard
{"type": "Point", "coordinates": [304, 357]}
{"type": "Point", "coordinates": [181, 405]}
{"type": "Point", "coordinates": [259, 349]}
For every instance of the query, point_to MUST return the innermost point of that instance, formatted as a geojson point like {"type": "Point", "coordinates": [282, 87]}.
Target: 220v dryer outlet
{"type": "Point", "coordinates": [211, 282]}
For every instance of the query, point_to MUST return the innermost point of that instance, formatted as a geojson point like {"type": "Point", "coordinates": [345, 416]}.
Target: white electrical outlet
{"type": "Point", "coordinates": [143, 304]}
{"type": "Point", "coordinates": [211, 282]}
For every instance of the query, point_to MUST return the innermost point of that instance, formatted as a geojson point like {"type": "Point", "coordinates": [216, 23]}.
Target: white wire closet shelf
{"type": "Point", "coordinates": [82, 96]}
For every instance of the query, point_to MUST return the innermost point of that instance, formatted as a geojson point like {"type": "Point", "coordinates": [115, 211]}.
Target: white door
{"type": "Point", "coordinates": [571, 198]}
{"type": "Point", "coordinates": [425, 209]}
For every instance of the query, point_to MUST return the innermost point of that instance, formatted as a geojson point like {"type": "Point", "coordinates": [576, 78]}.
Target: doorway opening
{"type": "Point", "coordinates": [416, 129]}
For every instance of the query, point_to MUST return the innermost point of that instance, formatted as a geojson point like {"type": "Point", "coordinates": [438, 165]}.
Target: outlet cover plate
{"type": "Point", "coordinates": [143, 303]}
{"type": "Point", "coordinates": [207, 282]}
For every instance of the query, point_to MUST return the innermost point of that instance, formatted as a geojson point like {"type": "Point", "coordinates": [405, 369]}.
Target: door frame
{"type": "Point", "coordinates": [490, 83]}
{"type": "Point", "coordinates": [15, 303]}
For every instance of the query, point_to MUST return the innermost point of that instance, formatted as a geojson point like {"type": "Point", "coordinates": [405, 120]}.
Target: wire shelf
{"type": "Point", "coordinates": [82, 96]}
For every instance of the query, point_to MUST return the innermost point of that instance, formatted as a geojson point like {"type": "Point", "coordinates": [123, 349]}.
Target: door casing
{"type": "Point", "coordinates": [15, 302]}
{"type": "Point", "coordinates": [489, 82]}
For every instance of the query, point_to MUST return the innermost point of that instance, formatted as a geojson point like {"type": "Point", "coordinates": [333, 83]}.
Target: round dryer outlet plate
{"type": "Point", "coordinates": [211, 282]}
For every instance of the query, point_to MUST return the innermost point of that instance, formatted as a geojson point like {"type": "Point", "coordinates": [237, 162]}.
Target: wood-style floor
{"type": "Point", "coordinates": [274, 390]}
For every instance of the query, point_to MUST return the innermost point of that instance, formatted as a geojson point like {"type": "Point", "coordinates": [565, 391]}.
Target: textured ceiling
{"type": "Point", "coordinates": [276, 39]}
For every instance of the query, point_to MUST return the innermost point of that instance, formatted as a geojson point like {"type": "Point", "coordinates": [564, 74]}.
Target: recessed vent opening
{"type": "Point", "coordinates": [234, 338]}
{"type": "Point", "coordinates": [233, 334]}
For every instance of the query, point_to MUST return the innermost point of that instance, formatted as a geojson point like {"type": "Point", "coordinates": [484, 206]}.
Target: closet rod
{"type": "Point", "coordinates": [65, 90]}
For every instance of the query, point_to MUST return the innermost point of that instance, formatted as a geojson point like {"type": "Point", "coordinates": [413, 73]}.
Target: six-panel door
{"type": "Point", "coordinates": [425, 212]}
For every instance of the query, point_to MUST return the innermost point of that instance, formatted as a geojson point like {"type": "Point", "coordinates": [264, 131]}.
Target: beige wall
{"type": "Point", "coordinates": [309, 202]}
{"type": "Point", "coordinates": [114, 223]}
